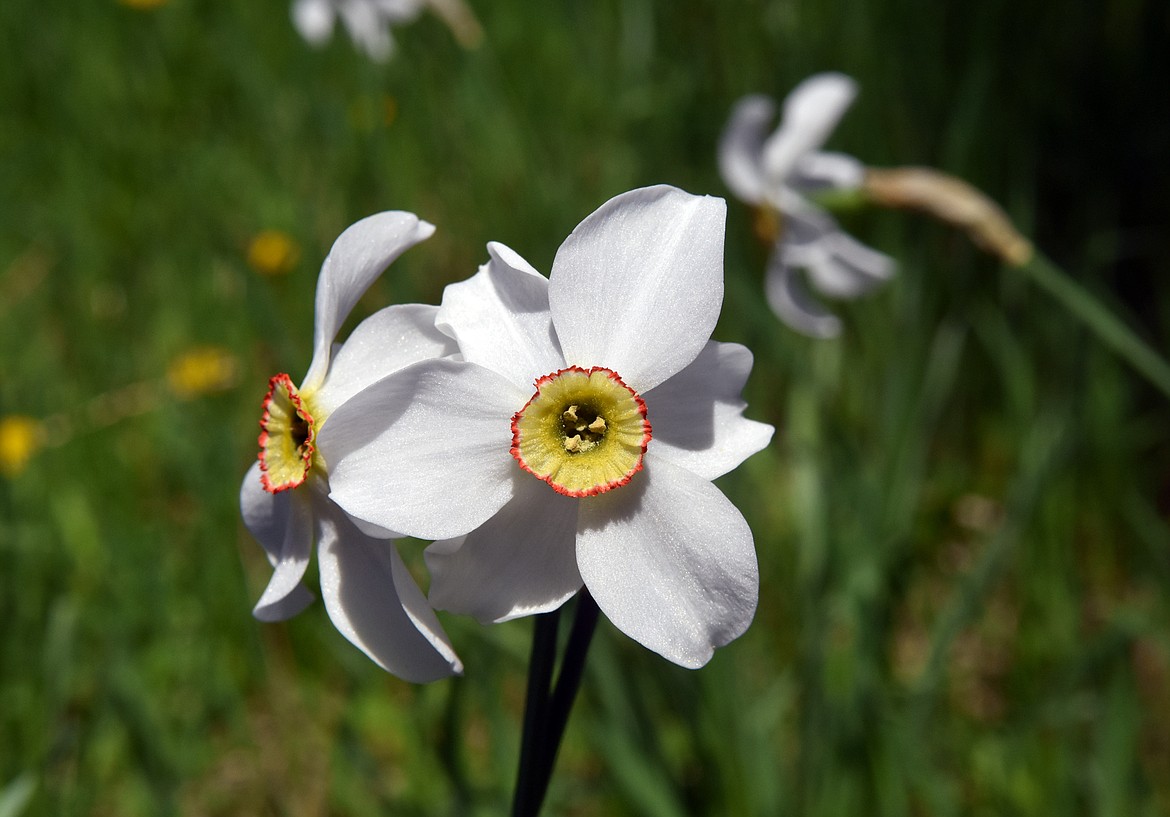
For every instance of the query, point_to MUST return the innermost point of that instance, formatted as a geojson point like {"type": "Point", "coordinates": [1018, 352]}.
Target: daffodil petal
{"type": "Point", "coordinates": [357, 258]}
{"type": "Point", "coordinates": [401, 11]}
{"type": "Point", "coordinates": [313, 19]}
{"type": "Point", "coordinates": [500, 318]}
{"type": "Point", "coordinates": [671, 562]}
{"type": "Point", "coordinates": [266, 516]}
{"type": "Point", "coordinates": [741, 148]}
{"type": "Point", "coordinates": [697, 415]}
{"type": "Point", "coordinates": [826, 170]}
{"type": "Point", "coordinates": [843, 267]}
{"type": "Point", "coordinates": [425, 451]}
{"type": "Point", "coordinates": [369, 30]}
{"type": "Point", "coordinates": [389, 340]}
{"type": "Point", "coordinates": [811, 111]}
{"type": "Point", "coordinates": [375, 603]}
{"type": "Point", "coordinates": [520, 562]}
{"type": "Point", "coordinates": [285, 596]}
{"type": "Point", "coordinates": [792, 303]}
{"type": "Point", "coordinates": [638, 285]}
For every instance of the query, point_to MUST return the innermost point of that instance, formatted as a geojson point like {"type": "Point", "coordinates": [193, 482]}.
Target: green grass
{"type": "Point", "coordinates": [961, 524]}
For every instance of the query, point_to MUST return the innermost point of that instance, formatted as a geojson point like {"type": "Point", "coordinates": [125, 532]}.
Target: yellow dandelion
{"type": "Point", "coordinates": [202, 370]}
{"type": "Point", "coordinates": [273, 252]}
{"type": "Point", "coordinates": [142, 5]}
{"type": "Point", "coordinates": [20, 437]}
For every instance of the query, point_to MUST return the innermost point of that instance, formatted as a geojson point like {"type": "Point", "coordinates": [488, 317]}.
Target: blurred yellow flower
{"type": "Point", "coordinates": [202, 370]}
{"type": "Point", "coordinates": [144, 5]}
{"type": "Point", "coordinates": [273, 253]}
{"type": "Point", "coordinates": [20, 437]}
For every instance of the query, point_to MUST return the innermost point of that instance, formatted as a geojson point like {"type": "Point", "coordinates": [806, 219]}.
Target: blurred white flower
{"type": "Point", "coordinates": [776, 172]}
{"type": "Point", "coordinates": [601, 477]}
{"type": "Point", "coordinates": [369, 21]}
{"type": "Point", "coordinates": [368, 592]}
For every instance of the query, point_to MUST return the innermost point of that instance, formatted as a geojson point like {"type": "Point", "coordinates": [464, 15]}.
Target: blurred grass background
{"type": "Point", "coordinates": [961, 524]}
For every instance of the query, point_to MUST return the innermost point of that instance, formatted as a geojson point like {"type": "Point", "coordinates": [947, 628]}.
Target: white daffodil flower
{"type": "Point", "coordinates": [776, 172]}
{"type": "Point", "coordinates": [576, 440]}
{"type": "Point", "coordinates": [368, 592]}
{"type": "Point", "coordinates": [367, 21]}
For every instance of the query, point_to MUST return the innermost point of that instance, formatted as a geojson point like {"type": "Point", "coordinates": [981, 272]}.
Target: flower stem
{"type": "Point", "coordinates": [568, 682]}
{"type": "Point", "coordinates": [545, 718]}
{"type": "Point", "coordinates": [526, 802]}
{"type": "Point", "coordinates": [1108, 328]}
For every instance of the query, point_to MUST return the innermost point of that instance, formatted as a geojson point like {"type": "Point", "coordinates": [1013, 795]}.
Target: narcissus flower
{"type": "Point", "coordinates": [776, 172]}
{"type": "Point", "coordinates": [576, 440]}
{"type": "Point", "coordinates": [368, 592]}
{"type": "Point", "coordinates": [369, 21]}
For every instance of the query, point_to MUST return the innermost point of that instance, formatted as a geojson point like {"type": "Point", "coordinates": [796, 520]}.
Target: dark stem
{"type": "Point", "coordinates": [565, 692]}
{"type": "Point", "coordinates": [526, 802]}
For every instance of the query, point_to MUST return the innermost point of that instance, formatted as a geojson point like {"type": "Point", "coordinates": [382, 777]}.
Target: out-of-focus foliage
{"type": "Point", "coordinates": [961, 525]}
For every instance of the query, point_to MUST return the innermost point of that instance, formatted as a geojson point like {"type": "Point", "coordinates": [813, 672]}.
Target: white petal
{"type": "Point", "coordinates": [425, 452]}
{"type": "Point", "coordinates": [697, 415]}
{"type": "Point", "coordinates": [313, 19]}
{"type": "Point", "coordinates": [389, 340]}
{"type": "Point", "coordinates": [521, 561]}
{"type": "Point", "coordinates": [285, 596]}
{"type": "Point", "coordinates": [826, 170]}
{"type": "Point", "coordinates": [741, 148]}
{"type": "Point", "coordinates": [811, 112]}
{"type": "Point", "coordinates": [638, 285]}
{"type": "Point", "coordinates": [839, 266]}
{"type": "Point", "coordinates": [374, 602]}
{"type": "Point", "coordinates": [500, 318]}
{"type": "Point", "coordinates": [848, 268]}
{"type": "Point", "coordinates": [399, 11]}
{"type": "Point", "coordinates": [265, 515]}
{"type": "Point", "coordinates": [792, 303]}
{"type": "Point", "coordinates": [670, 561]}
{"type": "Point", "coordinates": [369, 30]}
{"type": "Point", "coordinates": [357, 258]}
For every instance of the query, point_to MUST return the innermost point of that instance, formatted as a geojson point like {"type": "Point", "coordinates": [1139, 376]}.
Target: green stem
{"type": "Point", "coordinates": [1108, 328]}
{"type": "Point", "coordinates": [568, 682]}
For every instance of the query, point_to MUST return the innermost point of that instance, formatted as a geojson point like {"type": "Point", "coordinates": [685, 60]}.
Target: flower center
{"type": "Point", "coordinates": [584, 431]}
{"type": "Point", "coordinates": [287, 437]}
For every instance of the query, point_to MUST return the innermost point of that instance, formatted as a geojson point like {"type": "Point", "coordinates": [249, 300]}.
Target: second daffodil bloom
{"type": "Point", "coordinates": [575, 441]}
{"type": "Point", "coordinates": [368, 592]}
{"type": "Point", "coordinates": [367, 21]}
{"type": "Point", "coordinates": [777, 172]}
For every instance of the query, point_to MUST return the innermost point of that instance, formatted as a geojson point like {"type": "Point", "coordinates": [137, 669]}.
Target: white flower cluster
{"type": "Point", "coordinates": [547, 434]}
